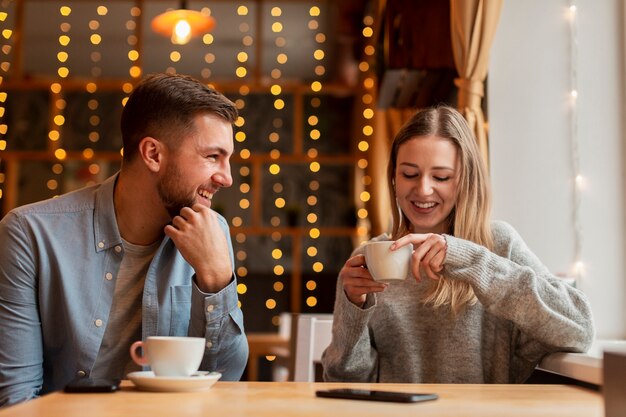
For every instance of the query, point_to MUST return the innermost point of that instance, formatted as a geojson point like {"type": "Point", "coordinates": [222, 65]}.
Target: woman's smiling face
{"type": "Point", "coordinates": [426, 182]}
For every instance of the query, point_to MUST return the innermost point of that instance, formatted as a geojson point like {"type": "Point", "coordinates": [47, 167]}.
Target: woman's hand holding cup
{"type": "Point", "coordinates": [357, 280]}
{"type": "Point", "coordinates": [373, 271]}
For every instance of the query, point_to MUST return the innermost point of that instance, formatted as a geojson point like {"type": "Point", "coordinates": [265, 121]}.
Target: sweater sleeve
{"type": "Point", "coordinates": [350, 357]}
{"type": "Point", "coordinates": [513, 284]}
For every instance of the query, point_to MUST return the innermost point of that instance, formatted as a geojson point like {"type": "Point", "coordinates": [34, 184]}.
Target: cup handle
{"type": "Point", "coordinates": [139, 359]}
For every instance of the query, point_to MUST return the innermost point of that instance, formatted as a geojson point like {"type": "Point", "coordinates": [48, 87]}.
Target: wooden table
{"type": "Point", "coordinates": [297, 399]}
{"type": "Point", "coordinates": [263, 344]}
{"type": "Point", "coordinates": [586, 367]}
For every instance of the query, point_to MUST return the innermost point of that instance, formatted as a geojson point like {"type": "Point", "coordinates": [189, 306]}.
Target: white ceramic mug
{"type": "Point", "coordinates": [170, 355]}
{"type": "Point", "coordinates": [387, 265]}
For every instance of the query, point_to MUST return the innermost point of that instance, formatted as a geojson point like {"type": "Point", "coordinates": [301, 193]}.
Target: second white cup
{"type": "Point", "coordinates": [170, 355]}
{"type": "Point", "coordinates": [386, 265]}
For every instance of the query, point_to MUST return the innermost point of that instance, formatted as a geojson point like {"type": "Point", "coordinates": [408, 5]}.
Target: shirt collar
{"type": "Point", "coordinates": [106, 232]}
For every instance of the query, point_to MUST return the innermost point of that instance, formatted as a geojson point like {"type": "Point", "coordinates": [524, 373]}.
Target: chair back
{"type": "Point", "coordinates": [311, 335]}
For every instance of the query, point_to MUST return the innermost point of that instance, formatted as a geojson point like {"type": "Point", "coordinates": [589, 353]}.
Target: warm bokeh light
{"type": "Point", "coordinates": [60, 154]}
{"type": "Point", "coordinates": [274, 169]}
{"type": "Point", "coordinates": [279, 202]}
{"type": "Point", "coordinates": [88, 154]}
{"type": "Point", "coordinates": [280, 172]}
{"type": "Point", "coordinates": [318, 267]}
{"type": "Point", "coordinates": [314, 166]}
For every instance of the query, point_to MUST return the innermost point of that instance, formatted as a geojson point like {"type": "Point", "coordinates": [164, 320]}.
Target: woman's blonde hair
{"type": "Point", "coordinates": [470, 217]}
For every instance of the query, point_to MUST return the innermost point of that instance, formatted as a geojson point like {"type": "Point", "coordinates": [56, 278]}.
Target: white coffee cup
{"type": "Point", "coordinates": [385, 264]}
{"type": "Point", "coordinates": [170, 355]}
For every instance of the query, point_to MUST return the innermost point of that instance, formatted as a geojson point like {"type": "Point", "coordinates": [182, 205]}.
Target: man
{"type": "Point", "coordinates": [84, 275]}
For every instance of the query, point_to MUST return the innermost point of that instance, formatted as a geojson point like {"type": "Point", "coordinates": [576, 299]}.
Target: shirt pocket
{"type": "Point", "coordinates": [181, 310]}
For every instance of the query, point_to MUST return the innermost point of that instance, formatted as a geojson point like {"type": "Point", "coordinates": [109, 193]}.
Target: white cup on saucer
{"type": "Point", "coordinates": [170, 356]}
{"type": "Point", "coordinates": [387, 265]}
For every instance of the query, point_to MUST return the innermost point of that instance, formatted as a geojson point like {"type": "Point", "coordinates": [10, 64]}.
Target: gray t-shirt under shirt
{"type": "Point", "coordinates": [124, 325]}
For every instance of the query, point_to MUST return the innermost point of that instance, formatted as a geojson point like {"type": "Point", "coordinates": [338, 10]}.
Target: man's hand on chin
{"type": "Point", "coordinates": [197, 234]}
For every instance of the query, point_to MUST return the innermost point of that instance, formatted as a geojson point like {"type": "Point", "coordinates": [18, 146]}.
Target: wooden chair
{"type": "Point", "coordinates": [311, 334]}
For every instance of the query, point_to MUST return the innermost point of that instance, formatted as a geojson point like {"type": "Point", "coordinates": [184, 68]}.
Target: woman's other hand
{"type": "Point", "coordinates": [428, 255]}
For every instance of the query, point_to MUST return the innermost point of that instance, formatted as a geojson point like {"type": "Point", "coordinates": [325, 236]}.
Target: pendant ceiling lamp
{"type": "Point", "coordinates": [181, 25]}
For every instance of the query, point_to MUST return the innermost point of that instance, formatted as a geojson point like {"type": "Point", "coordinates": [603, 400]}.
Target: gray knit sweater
{"type": "Point", "coordinates": [523, 313]}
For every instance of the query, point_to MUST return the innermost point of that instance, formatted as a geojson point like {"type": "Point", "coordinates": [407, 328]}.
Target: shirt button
{"type": "Point", "coordinates": [118, 249]}
{"type": "Point", "coordinates": [209, 345]}
{"type": "Point", "coordinates": [210, 308]}
{"type": "Point", "coordinates": [81, 373]}
{"type": "Point", "coordinates": [100, 245]}
{"type": "Point", "coordinates": [98, 323]}
{"type": "Point", "coordinates": [108, 276]}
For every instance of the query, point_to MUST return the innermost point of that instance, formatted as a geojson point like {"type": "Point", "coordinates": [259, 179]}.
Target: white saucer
{"type": "Point", "coordinates": [147, 381]}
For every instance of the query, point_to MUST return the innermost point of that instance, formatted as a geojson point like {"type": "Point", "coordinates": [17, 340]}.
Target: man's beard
{"type": "Point", "coordinates": [170, 191]}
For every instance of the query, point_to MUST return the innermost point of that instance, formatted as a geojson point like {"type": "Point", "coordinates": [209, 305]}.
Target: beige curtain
{"type": "Point", "coordinates": [473, 26]}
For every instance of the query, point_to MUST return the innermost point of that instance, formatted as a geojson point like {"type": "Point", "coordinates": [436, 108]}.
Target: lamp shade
{"type": "Point", "coordinates": [180, 25]}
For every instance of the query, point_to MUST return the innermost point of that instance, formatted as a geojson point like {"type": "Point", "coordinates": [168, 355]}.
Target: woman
{"type": "Point", "coordinates": [480, 307]}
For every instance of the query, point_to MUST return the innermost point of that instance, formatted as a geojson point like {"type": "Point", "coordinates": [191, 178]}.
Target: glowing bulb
{"type": "Point", "coordinates": [579, 179]}
{"type": "Point", "coordinates": [580, 267]}
{"type": "Point", "coordinates": [182, 32]}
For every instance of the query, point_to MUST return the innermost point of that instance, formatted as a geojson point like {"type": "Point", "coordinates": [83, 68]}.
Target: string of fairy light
{"type": "Point", "coordinates": [209, 56]}
{"type": "Point", "coordinates": [247, 41]}
{"type": "Point", "coordinates": [5, 65]}
{"type": "Point", "coordinates": [92, 87]}
{"type": "Point", "coordinates": [95, 20]}
{"type": "Point", "coordinates": [57, 96]}
{"type": "Point", "coordinates": [579, 181]}
{"type": "Point", "coordinates": [274, 168]}
{"type": "Point", "coordinates": [368, 103]}
{"type": "Point", "coordinates": [314, 136]}
{"type": "Point", "coordinates": [134, 54]}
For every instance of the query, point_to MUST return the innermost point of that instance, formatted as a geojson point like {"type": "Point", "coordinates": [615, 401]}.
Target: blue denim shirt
{"type": "Point", "coordinates": [58, 263]}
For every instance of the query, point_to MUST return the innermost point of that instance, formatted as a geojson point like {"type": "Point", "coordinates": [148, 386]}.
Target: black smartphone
{"type": "Point", "coordinates": [375, 395]}
{"type": "Point", "coordinates": [92, 385]}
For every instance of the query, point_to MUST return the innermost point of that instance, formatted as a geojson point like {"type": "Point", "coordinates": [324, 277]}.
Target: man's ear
{"type": "Point", "coordinates": [151, 152]}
